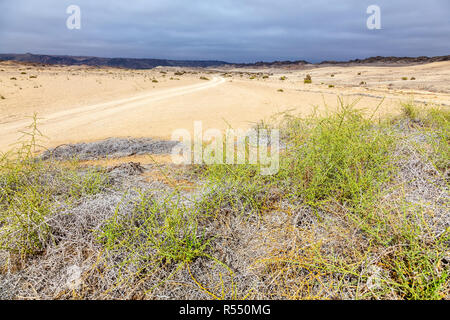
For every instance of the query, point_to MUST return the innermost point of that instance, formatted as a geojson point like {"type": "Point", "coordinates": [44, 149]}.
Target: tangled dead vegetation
{"type": "Point", "coordinates": [109, 148]}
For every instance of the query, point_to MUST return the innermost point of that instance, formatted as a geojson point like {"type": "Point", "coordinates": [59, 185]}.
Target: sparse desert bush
{"type": "Point", "coordinates": [30, 193]}
{"type": "Point", "coordinates": [409, 110]}
{"type": "Point", "coordinates": [332, 75]}
{"type": "Point", "coordinates": [2, 97]}
{"type": "Point", "coordinates": [280, 90]}
{"type": "Point", "coordinates": [342, 157]}
{"type": "Point", "coordinates": [265, 77]}
{"type": "Point", "coordinates": [203, 78]}
{"type": "Point", "coordinates": [13, 78]}
{"type": "Point", "coordinates": [33, 77]}
{"type": "Point", "coordinates": [156, 233]}
{"type": "Point", "coordinates": [331, 86]}
{"type": "Point", "coordinates": [307, 79]}
{"type": "Point", "coordinates": [413, 78]}
{"type": "Point", "coordinates": [155, 81]}
{"type": "Point", "coordinates": [404, 78]}
{"type": "Point", "coordinates": [283, 78]}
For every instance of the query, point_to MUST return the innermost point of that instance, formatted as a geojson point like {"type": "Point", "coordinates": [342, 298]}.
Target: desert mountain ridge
{"type": "Point", "coordinates": [129, 63]}
{"type": "Point", "coordinates": [134, 63]}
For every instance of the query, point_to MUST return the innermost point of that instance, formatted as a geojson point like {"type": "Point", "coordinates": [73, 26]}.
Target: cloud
{"type": "Point", "coordinates": [231, 30]}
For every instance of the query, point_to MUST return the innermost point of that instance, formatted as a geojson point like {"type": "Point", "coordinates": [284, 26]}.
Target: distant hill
{"type": "Point", "coordinates": [372, 60]}
{"type": "Point", "coordinates": [130, 63]}
{"type": "Point", "coordinates": [274, 64]}
{"type": "Point", "coordinates": [109, 62]}
{"type": "Point", "coordinates": [394, 60]}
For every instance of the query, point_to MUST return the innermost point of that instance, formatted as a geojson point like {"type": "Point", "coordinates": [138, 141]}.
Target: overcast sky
{"type": "Point", "coordinates": [230, 30]}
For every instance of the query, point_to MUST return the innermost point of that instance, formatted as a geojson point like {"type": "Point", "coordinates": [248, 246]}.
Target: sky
{"type": "Point", "coordinates": [227, 30]}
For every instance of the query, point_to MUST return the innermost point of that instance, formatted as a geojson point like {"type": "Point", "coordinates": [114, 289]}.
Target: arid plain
{"type": "Point", "coordinates": [85, 104]}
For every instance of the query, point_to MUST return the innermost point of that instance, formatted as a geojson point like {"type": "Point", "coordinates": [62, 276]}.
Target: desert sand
{"type": "Point", "coordinates": [84, 104]}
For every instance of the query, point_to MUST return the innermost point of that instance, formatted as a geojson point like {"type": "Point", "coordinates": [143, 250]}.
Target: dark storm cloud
{"type": "Point", "coordinates": [231, 30]}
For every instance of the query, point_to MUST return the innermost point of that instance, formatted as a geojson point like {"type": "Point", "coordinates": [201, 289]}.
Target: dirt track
{"type": "Point", "coordinates": [65, 125]}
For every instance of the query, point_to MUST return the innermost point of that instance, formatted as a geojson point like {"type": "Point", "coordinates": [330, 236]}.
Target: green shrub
{"type": "Point", "coordinates": [31, 190]}
{"type": "Point", "coordinates": [157, 233]}
{"type": "Point", "coordinates": [409, 110]}
{"type": "Point", "coordinates": [342, 157]}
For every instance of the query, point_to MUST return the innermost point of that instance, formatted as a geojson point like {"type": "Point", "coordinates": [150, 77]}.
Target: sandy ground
{"type": "Point", "coordinates": [83, 104]}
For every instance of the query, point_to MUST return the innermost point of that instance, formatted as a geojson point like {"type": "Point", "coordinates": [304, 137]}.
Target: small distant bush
{"type": "Point", "coordinates": [359, 73]}
{"type": "Point", "coordinates": [404, 78]}
{"type": "Point", "coordinates": [33, 77]}
{"type": "Point", "coordinates": [330, 86]}
{"type": "Point", "coordinates": [23, 72]}
{"type": "Point", "coordinates": [2, 97]}
{"type": "Point", "coordinates": [362, 83]}
{"type": "Point", "coordinates": [203, 78]}
{"type": "Point", "coordinates": [265, 77]}
{"type": "Point", "coordinates": [280, 90]}
{"type": "Point", "coordinates": [283, 78]}
{"type": "Point", "coordinates": [307, 79]}
{"type": "Point", "coordinates": [332, 75]}
{"type": "Point", "coordinates": [155, 81]}
{"type": "Point", "coordinates": [413, 78]}
{"type": "Point", "coordinates": [13, 78]}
